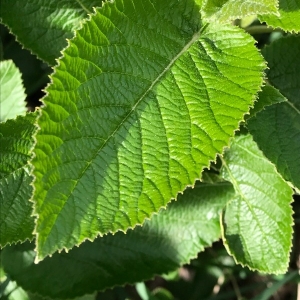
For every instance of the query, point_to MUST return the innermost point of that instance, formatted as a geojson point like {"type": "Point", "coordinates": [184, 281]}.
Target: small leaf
{"type": "Point", "coordinates": [277, 132]}
{"type": "Point", "coordinates": [268, 96]}
{"type": "Point", "coordinates": [16, 142]}
{"type": "Point", "coordinates": [277, 129]}
{"type": "Point", "coordinates": [141, 102]}
{"type": "Point", "coordinates": [12, 95]}
{"type": "Point", "coordinates": [258, 221]}
{"type": "Point", "coordinates": [225, 11]}
{"type": "Point", "coordinates": [169, 240]}
{"type": "Point", "coordinates": [283, 57]}
{"type": "Point", "coordinates": [44, 26]}
{"type": "Point", "coordinates": [289, 18]}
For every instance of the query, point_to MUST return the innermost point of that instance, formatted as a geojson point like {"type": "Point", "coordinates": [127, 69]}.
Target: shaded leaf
{"type": "Point", "coordinates": [258, 221]}
{"type": "Point", "coordinates": [16, 142]}
{"type": "Point", "coordinates": [268, 96]}
{"type": "Point", "coordinates": [277, 132]}
{"type": "Point", "coordinates": [289, 18]}
{"type": "Point", "coordinates": [44, 26]}
{"type": "Point", "coordinates": [170, 239]}
{"type": "Point", "coordinates": [12, 95]}
{"type": "Point", "coordinates": [283, 57]}
{"type": "Point", "coordinates": [225, 11]}
{"type": "Point", "coordinates": [277, 129]}
{"type": "Point", "coordinates": [132, 119]}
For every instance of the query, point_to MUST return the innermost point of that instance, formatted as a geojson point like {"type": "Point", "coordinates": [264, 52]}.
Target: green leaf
{"type": "Point", "coordinates": [170, 239]}
{"type": "Point", "coordinates": [258, 221]}
{"type": "Point", "coordinates": [225, 11]}
{"type": "Point", "coordinates": [16, 142]}
{"type": "Point", "coordinates": [277, 129]}
{"type": "Point", "coordinates": [277, 132]}
{"type": "Point", "coordinates": [267, 96]}
{"type": "Point", "coordinates": [289, 19]}
{"type": "Point", "coordinates": [283, 57]}
{"type": "Point", "coordinates": [12, 95]}
{"type": "Point", "coordinates": [44, 26]}
{"type": "Point", "coordinates": [131, 120]}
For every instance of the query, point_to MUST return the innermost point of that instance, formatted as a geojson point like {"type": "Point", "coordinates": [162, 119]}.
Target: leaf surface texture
{"type": "Point", "coordinates": [289, 18]}
{"type": "Point", "coordinates": [225, 11]}
{"type": "Point", "coordinates": [16, 144]}
{"type": "Point", "coordinates": [44, 26]}
{"type": "Point", "coordinates": [12, 94]}
{"type": "Point", "coordinates": [142, 100]}
{"type": "Point", "coordinates": [277, 129]}
{"type": "Point", "coordinates": [257, 223]}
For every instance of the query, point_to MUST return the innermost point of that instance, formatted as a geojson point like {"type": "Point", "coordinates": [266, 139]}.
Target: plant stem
{"type": "Point", "coordinates": [258, 29]}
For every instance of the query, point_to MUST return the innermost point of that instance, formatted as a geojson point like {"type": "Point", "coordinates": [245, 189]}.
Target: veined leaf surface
{"type": "Point", "coordinates": [289, 18]}
{"type": "Point", "coordinates": [44, 26]}
{"type": "Point", "coordinates": [16, 142]}
{"type": "Point", "coordinates": [170, 239]}
{"type": "Point", "coordinates": [225, 11]}
{"type": "Point", "coordinates": [12, 95]}
{"type": "Point", "coordinates": [277, 129]}
{"type": "Point", "coordinates": [258, 221]}
{"type": "Point", "coordinates": [132, 119]}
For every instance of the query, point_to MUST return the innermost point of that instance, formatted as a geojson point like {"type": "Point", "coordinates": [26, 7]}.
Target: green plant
{"type": "Point", "coordinates": [144, 97]}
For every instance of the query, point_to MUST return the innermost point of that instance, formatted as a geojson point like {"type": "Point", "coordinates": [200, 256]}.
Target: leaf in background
{"type": "Point", "coordinates": [16, 142]}
{"type": "Point", "coordinates": [283, 57]}
{"type": "Point", "coordinates": [266, 97]}
{"type": "Point", "coordinates": [258, 221]}
{"type": "Point", "coordinates": [44, 26]}
{"type": "Point", "coordinates": [277, 129]}
{"type": "Point", "coordinates": [12, 95]}
{"type": "Point", "coordinates": [225, 11]}
{"type": "Point", "coordinates": [170, 239]}
{"type": "Point", "coordinates": [132, 119]}
{"type": "Point", "coordinates": [289, 18]}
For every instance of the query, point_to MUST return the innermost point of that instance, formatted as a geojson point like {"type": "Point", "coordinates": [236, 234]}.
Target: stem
{"type": "Point", "coordinates": [258, 29]}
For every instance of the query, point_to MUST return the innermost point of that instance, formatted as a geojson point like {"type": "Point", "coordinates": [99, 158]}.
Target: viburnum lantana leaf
{"type": "Point", "coordinates": [289, 18]}
{"type": "Point", "coordinates": [258, 221]}
{"type": "Point", "coordinates": [169, 240]}
{"type": "Point", "coordinates": [43, 26]}
{"type": "Point", "coordinates": [277, 129]}
{"type": "Point", "coordinates": [142, 100]}
{"type": "Point", "coordinates": [12, 94]}
{"type": "Point", "coordinates": [225, 11]}
{"type": "Point", "coordinates": [16, 142]}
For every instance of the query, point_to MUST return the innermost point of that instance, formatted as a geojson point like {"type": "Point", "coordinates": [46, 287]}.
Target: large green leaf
{"type": "Point", "coordinates": [12, 95]}
{"type": "Point", "coordinates": [141, 102]}
{"type": "Point", "coordinates": [44, 26]}
{"type": "Point", "coordinates": [16, 144]}
{"type": "Point", "coordinates": [258, 221]}
{"type": "Point", "coordinates": [168, 240]}
{"type": "Point", "coordinates": [289, 19]}
{"type": "Point", "coordinates": [225, 11]}
{"type": "Point", "coordinates": [277, 129]}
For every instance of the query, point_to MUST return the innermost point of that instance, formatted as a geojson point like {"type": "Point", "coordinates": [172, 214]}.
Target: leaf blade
{"type": "Point", "coordinates": [131, 146]}
{"type": "Point", "coordinates": [289, 17]}
{"type": "Point", "coordinates": [44, 27]}
{"type": "Point", "coordinates": [225, 11]}
{"type": "Point", "coordinates": [16, 144]}
{"type": "Point", "coordinates": [12, 93]}
{"type": "Point", "coordinates": [260, 216]}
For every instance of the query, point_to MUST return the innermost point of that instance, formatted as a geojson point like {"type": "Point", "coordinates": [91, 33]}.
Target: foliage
{"type": "Point", "coordinates": [149, 101]}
